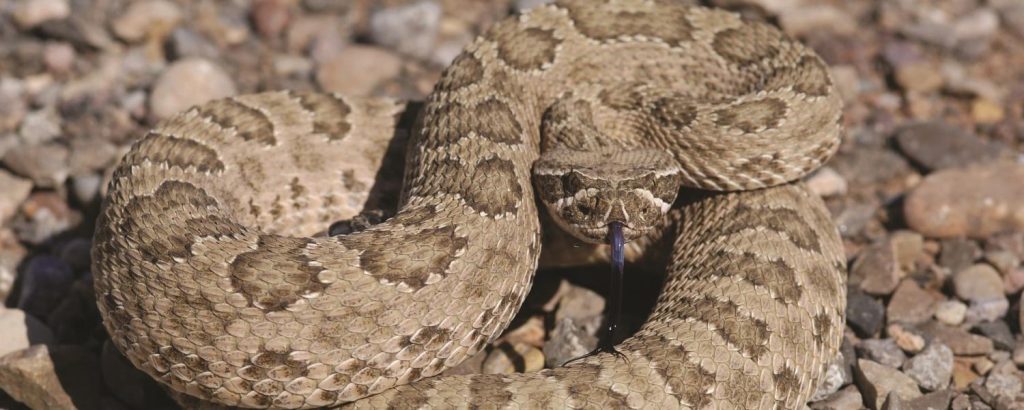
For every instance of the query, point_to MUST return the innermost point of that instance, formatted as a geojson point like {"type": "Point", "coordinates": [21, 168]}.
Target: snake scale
{"type": "Point", "coordinates": [210, 279]}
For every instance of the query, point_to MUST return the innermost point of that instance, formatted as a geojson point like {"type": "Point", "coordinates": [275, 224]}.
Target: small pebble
{"type": "Point", "coordinates": [30, 13]}
{"type": "Point", "coordinates": [978, 283]}
{"type": "Point", "coordinates": [864, 314]}
{"type": "Point", "coordinates": [145, 18]}
{"type": "Point", "coordinates": [567, 341]}
{"type": "Point", "coordinates": [846, 399]}
{"type": "Point", "coordinates": [910, 342]}
{"type": "Point", "coordinates": [826, 182]}
{"type": "Point", "coordinates": [40, 127]}
{"type": "Point", "coordinates": [958, 254]}
{"type": "Point", "coordinates": [270, 17]}
{"type": "Point", "coordinates": [919, 77]}
{"type": "Point", "coordinates": [186, 83]}
{"type": "Point", "coordinates": [44, 215]}
{"type": "Point", "coordinates": [932, 369]}
{"type": "Point", "coordinates": [1005, 380]}
{"type": "Point", "coordinates": [409, 29]}
{"type": "Point", "coordinates": [999, 332]}
{"type": "Point", "coordinates": [877, 269]}
{"type": "Point", "coordinates": [959, 340]}
{"type": "Point", "coordinates": [15, 191]}
{"type": "Point", "coordinates": [951, 312]}
{"type": "Point", "coordinates": [59, 57]}
{"type": "Point", "coordinates": [911, 305]}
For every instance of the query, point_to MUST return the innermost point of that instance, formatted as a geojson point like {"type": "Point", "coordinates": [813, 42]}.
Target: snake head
{"type": "Point", "coordinates": [585, 191]}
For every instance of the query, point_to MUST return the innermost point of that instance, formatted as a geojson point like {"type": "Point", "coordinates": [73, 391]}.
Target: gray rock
{"type": "Point", "coordinates": [958, 254]}
{"type": "Point", "coordinates": [973, 202]}
{"type": "Point", "coordinates": [1003, 260]}
{"type": "Point", "coordinates": [186, 83]}
{"type": "Point", "coordinates": [40, 126]}
{"type": "Point", "coordinates": [584, 306]}
{"type": "Point", "coordinates": [882, 351]}
{"type": "Point", "coordinates": [987, 310]}
{"type": "Point", "coordinates": [11, 256]}
{"type": "Point", "coordinates": [86, 187]}
{"type": "Point", "coordinates": [854, 217]}
{"type": "Point", "coordinates": [1005, 380]}
{"type": "Point", "coordinates": [835, 377]}
{"type": "Point", "coordinates": [937, 145]}
{"type": "Point", "coordinates": [21, 331]}
{"type": "Point", "coordinates": [49, 378]}
{"type": "Point", "coordinates": [999, 332]}
{"type": "Point", "coordinates": [44, 215]}
{"type": "Point", "coordinates": [409, 29]}
{"type": "Point", "coordinates": [932, 368]}
{"type": "Point", "coordinates": [184, 43]}
{"type": "Point", "coordinates": [826, 182]}
{"type": "Point", "coordinates": [46, 164]}
{"type": "Point", "coordinates": [876, 381]}
{"type": "Point", "coordinates": [522, 5]}
{"type": "Point", "coordinates": [13, 107]}
{"type": "Point", "coordinates": [864, 314]}
{"type": "Point", "coordinates": [567, 341]}
{"type": "Point", "coordinates": [870, 166]}
{"type": "Point", "coordinates": [846, 399]}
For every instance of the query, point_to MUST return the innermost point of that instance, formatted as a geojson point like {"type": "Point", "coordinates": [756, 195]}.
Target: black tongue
{"type": "Point", "coordinates": [618, 242]}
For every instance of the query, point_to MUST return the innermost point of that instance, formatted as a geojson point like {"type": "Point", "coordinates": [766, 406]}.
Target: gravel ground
{"type": "Point", "coordinates": [927, 189]}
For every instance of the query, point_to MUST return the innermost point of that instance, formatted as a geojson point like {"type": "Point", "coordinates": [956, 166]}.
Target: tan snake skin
{"type": "Point", "coordinates": [209, 279]}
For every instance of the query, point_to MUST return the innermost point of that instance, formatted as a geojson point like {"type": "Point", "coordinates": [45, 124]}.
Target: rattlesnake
{"type": "Point", "coordinates": [209, 278]}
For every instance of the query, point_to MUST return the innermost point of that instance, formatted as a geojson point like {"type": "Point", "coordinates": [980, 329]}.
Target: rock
{"type": "Point", "coordinates": [826, 182]}
{"type": "Point", "coordinates": [864, 314]}
{"type": "Point", "coordinates": [876, 269]}
{"type": "Point", "coordinates": [13, 108]}
{"type": "Point", "coordinates": [877, 381]}
{"type": "Point", "coordinates": [357, 70]}
{"type": "Point", "coordinates": [1018, 353]}
{"type": "Point", "coordinates": [46, 164]}
{"type": "Point", "coordinates": [908, 247]}
{"type": "Point", "coordinates": [90, 154]}
{"type": "Point", "coordinates": [409, 29]}
{"type": "Point", "coordinates": [981, 23]}
{"type": "Point", "coordinates": [870, 166]}
{"type": "Point", "coordinates": [186, 83]}
{"type": "Point", "coordinates": [584, 306]}
{"type": "Point", "coordinates": [999, 332]}
{"type": "Point", "coordinates": [46, 281]}
{"type": "Point", "coordinates": [11, 256]}
{"type": "Point", "coordinates": [951, 312]}
{"type": "Point", "coordinates": [958, 254]}
{"type": "Point", "coordinates": [50, 378]}
{"type": "Point", "coordinates": [40, 126]}
{"type": "Point", "coordinates": [834, 378]}
{"type": "Point", "coordinates": [15, 191]}
{"type": "Point", "coordinates": [270, 16]}
{"type": "Point", "coordinates": [910, 304]}
{"type": "Point", "coordinates": [567, 341]}
{"type": "Point", "coordinates": [919, 77]}
{"type": "Point", "coordinates": [30, 13]}
{"type": "Point", "coordinates": [44, 215]}
{"type": "Point", "coordinates": [86, 187]}
{"type": "Point", "coordinates": [523, 5]}
{"type": "Point", "coordinates": [882, 351]}
{"type": "Point", "coordinates": [184, 43]}
{"type": "Point", "coordinates": [799, 21]}
{"type": "Point", "coordinates": [960, 341]}
{"type": "Point", "coordinates": [59, 57]}
{"type": "Point", "coordinates": [986, 310]}
{"type": "Point", "coordinates": [508, 359]}
{"type": "Point", "coordinates": [1004, 261]}
{"type": "Point", "coordinates": [854, 217]}
{"type": "Point", "coordinates": [979, 282]}
{"type": "Point", "coordinates": [936, 400]}
{"type": "Point", "coordinates": [146, 18]}
{"type": "Point", "coordinates": [21, 331]}
{"type": "Point", "coordinates": [1005, 380]}
{"type": "Point", "coordinates": [932, 368]}
{"type": "Point", "coordinates": [936, 145]}
{"type": "Point", "coordinates": [985, 111]}
{"type": "Point", "coordinates": [974, 202]}
{"type": "Point", "coordinates": [963, 376]}
{"type": "Point", "coordinates": [845, 399]}
{"type": "Point", "coordinates": [907, 340]}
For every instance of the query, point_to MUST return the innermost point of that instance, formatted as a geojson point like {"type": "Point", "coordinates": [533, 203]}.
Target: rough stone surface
{"type": "Point", "coordinates": [44, 378]}
{"type": "Point", "coordinates": [846, 399]}
{"type": "Point", "coordinates": [21, 331]}
{"type": "Point", "coordinates": [932, 368]}
{"type": "Point", "coordinates": [937, 145]}
{"type": "Point", "coordinates": [974, 202]}
{"type": "Point", "coordinates": [877, 269]}
{"type": "Point", "coordinates": [911, 304]}
{"type": "Point", "coordinates": [960, 341]}
{"type": "Point", "coordinates": [409, 29]}
{"type": "Point", "coordinates": [864, 313]}
{"type": "Point", "coordinates": [46, 164]}
{"type": "Point", "coordinates": [951, 312]}
{"type": "Point", "coordinates": [882, 351]}
{"type": "Point", "coordinates": [876, 381]}
{"type": "Point", "coordinates": [357, 70]}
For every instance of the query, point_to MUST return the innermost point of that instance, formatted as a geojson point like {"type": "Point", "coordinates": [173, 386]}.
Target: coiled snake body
{"type": "Point", "coordinates": [209, 279]}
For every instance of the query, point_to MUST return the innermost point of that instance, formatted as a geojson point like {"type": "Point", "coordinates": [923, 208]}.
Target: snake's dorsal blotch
{"type": "Point", "coordinates": [210, 278]}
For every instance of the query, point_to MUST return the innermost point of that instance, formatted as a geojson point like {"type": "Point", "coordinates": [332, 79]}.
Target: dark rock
{"type": "Point", "coordinates": [958, 253]}
{"type": "Point", "coordinates": [864, 314]}
{"type": "Point", "coordinates": [932, 368]}
{"type": "Point", "coordinates": [46, 281]}
{"type": "Point", "coordinates": [937, 145]}
{"type": "Point", "coordinates": [883, 351]}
